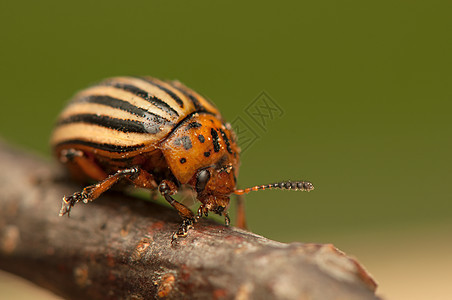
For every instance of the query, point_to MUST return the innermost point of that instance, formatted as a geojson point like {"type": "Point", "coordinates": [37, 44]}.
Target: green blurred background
{"type": "Point", "coordinates": [365, 88]}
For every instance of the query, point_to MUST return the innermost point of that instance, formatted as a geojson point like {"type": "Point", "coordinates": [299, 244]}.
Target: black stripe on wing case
{"type": "Point", "coordinates": [100, 146]}
{"type": "Point", "coordinates": [145, 95]}
{"type": "Point", "coordinates": [112, 123]}
{"type": "Point", "coordinates": [169, 92]}
{"type": "Point", "coordinates": [125, 106]}
{"type": "Point", "coordinates": [115, 103]}
{"type": "Point", "coordinates": [188, 94]}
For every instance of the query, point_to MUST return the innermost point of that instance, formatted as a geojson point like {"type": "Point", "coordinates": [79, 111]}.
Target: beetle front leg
{"type": "Point", "coordinates": [168, 188]}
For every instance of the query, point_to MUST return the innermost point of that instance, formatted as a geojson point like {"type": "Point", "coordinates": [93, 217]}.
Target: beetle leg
{"type": "Point", "coordinates": [143, 179]}
{"type": "Point", "coordinates": [200, 211]}
{"type": "Point", "coordinates": [203, 210]}
{"type": "Point", "coordinates": [80, 164]}
{"type": "Point", "coordinates": [227, 220]}
{"type": "Point", "coordinates": [168, 188]}
{"type": "Point", "coordinates": [240, 213]}
{"type": "Point", "coordinates": [92, 192]}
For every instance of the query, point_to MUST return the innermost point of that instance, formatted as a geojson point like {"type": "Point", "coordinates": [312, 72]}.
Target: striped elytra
{"type": "Point", "coordinates": [123, 115]}
{"type": "Point", "coordinates": [153, 134]}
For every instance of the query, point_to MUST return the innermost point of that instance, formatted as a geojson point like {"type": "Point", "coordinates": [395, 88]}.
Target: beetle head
{"type": "Point", "coordinates": [213, 185]}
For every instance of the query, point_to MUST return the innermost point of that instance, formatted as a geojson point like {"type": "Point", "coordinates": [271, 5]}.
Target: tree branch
{"type": "Point", "coordinates": [120, 247]}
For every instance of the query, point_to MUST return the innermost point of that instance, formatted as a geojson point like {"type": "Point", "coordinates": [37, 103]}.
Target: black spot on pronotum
{"type": "Point", "coordinates": [193, 125]}
{"type": "Point", "coordinates": [183, 160]}
{"type": "Point", "coordinates": [207, 154]}
{"type": "Point", "coordinates": [226, 141]}
{"type": "Point", "coordinates": [216, 144]}
{"type": "Point", "coordinates": [184, 141]}
{"type": "Point", "coordinates": [201, 138]}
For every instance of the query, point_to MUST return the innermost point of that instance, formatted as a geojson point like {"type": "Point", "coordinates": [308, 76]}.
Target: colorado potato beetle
{"type": "Point", "coordinates": [153, 134]}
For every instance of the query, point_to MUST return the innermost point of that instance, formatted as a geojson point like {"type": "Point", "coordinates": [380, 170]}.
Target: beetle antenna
{"type": "Point", "coordinates": [285, 185]}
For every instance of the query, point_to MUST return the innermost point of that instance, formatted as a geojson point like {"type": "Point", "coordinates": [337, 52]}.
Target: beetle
{"type": "Point", "coordinates": [152, 134]}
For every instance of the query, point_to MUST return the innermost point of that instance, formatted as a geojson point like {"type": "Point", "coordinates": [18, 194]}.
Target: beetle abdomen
{"type": "Point", "coordinates": [123, 115]}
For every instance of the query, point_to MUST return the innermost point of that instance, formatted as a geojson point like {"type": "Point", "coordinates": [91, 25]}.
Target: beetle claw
{"type": "Point", "coordinates": [200, 211]}
{"type": "Point", "coordinates": [227, 220]}
{"type": "Point", "coordinates": [186, 225]}
{"type": "Point", "coordinates": [66, 205]}
{"type": "Point", "coordinates": [69, 202]}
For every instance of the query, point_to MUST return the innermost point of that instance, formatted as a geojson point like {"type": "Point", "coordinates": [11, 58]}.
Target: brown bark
{"type": "Point", "coordinates": [120, 247]}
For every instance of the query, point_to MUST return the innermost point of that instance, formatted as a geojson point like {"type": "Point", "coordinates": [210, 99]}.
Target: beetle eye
{"type": "Point", "coordinates": [201, 180]}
